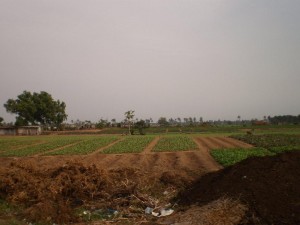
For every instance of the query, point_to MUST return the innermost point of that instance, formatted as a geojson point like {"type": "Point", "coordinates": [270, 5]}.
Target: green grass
{"type": "Point", "coordinates": [175, 143]}
{"type": "Point", "coordinates": [228, 157]}
{"type": "Point", "coordinates": [86, 146]}
{"type": "Point", "coordinates": [130, 145]}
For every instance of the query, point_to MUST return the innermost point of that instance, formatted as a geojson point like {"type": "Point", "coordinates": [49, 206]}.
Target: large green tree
{"type": "Point", "coordinates": [37, 108]}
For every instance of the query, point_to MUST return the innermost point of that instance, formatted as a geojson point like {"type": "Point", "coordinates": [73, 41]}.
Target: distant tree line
{"type": "Point", "coordinates": [41, 109]}
{"type": "Point", "coordinates": [285, 119]}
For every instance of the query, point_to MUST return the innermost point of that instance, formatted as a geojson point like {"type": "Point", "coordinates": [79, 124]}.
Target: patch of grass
{"type": "Point", "coordinates": [175, 143]}
{"type": "Point", "coordinates": [130, 145]}
{"type": "Point", "coordinates": [228, 157]}
{"type": "Point", "coordinates": [86, 146]}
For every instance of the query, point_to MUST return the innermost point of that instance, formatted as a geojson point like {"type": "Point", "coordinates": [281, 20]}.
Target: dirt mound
{"type": "Point", "coordinates": [269, 186]}
{"type": "Point", "coordinates": [54, 194]}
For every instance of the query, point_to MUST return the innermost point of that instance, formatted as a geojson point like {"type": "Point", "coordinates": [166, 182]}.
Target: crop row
{"type": "Point", "coordinates": [175, 143]}
{"type": "Point", "coordinates": [51, 144]}
{"type": "Point", "coordinates": [228, 157]}
{"type": "Point", "coordinates": [130, 145]}
{"type": "Point", "coordinates": [8, 144]}
{"type": "Point", "coordinates": [85, 147]}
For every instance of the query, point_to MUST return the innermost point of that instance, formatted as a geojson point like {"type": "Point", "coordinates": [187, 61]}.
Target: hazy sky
{"type": "Point", "coordinates": [175, 58]}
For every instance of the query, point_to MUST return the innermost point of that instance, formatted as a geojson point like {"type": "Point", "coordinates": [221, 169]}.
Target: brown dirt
{"type": "Point", "coordinates": [269, 186]}
{"type": "Point", "coordinates": [206, 158]}
{"type": "Point", "coordinates": [223, 211]}
{"type": "Point", "coordinates": [220, 142]}
{"type": "Point", "coordinates": [235, 143]}
{"type": "Point", "coordinates": [51, 187]}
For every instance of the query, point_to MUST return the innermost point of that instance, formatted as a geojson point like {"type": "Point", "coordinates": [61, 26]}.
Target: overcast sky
{"type": "Point", "coordinates": [215, 59]}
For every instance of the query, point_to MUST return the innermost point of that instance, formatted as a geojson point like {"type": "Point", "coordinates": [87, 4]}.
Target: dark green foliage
{"type": "Point", "coordinates": [285, 119]}
{"type": "Point", "coordinates": [140, 125]}
{"type": "Point", "coordinates": [270, 140]}
{"type": "Point", "coordinates": [162, 121]}
{"type": "Point", "coordinates": [37, 108]}
{"type": "Point", "coordinates": [228, 157]}
{"type": "Point", "coordinates": [175, 143]}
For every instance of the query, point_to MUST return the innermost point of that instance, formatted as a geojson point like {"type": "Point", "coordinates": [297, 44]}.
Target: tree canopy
{"type": "Point", "coordinates": [36, 108]}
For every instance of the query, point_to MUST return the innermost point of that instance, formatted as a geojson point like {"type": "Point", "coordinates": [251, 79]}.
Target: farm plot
{"type": "Point", "coordinates": [228, 157]}
{"type": "Point", "coordinates": [273, 142]}
{"type": "Point", "coordinates": [175, 143]}
{"type": "Point", "coordinates": [130, 145]}
{"type": "Point", "coordinates": [7, 144]}
{"type": "Point", "coordinates": [51, 144]}
{"type": "Point", "coordinates": [85, 147]}
{"type": "Point", "coordinates": [220, 142]}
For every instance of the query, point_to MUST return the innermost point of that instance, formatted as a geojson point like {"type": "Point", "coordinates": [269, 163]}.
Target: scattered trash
{"type": "Point", "coordinates": [163, 212]}
{"type": "Point", "coordinates": [166, 193]}
{"type": "Point", "coordinates": [112, 212]}
{"type": "Point", "coordinates": [148, 210]}
{"type": "Point", "coordinates": [99, 214]}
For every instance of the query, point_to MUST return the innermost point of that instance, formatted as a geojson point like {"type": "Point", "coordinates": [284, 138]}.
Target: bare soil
{"type": "Point", "coordinates": [50, 188]}
{"type": "Point", "coordinates": [220, 142]}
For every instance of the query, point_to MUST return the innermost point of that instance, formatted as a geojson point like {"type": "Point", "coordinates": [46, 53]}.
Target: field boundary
{"type": "Point", "coordinates": [208, 161]}
{"type": "Point", "coordinates": [105, 147]}
{"type": "Point", "coordinates": [149, 148]}
{"type": "Point", "coordinates": [56, 149]}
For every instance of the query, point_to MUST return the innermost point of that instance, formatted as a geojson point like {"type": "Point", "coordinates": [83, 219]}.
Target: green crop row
{"type": "Point", "coordinates": [51, 144]}
{"type": "Point", "coordinates": [7, 144]}
{"type": "Point", "coordinates": [85, 147]}
{"type": "Point", "coordinates": [228, 157]}
{"type": "Point", "coordinates": [175, 143]}
{"type": "Point", "coordinates": [130, 144]}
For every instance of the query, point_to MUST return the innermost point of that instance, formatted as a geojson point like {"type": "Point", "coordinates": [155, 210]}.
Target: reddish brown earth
{"type": "Point", "coordinates": [221, 142]}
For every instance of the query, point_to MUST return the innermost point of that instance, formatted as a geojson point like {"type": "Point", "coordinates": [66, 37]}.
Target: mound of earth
{"type": "Point", "coordinates": [268, 186]}
{"type": "Point", "coordinates": [54, 195]}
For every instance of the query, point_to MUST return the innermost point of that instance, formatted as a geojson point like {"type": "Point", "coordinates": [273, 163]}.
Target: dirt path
{"type": "Point", "coordinates": [56, 149]}
{"type": "Point", "coordinates": [149, 148]}
{"type": "Point", "coordinates": [209, 142]}
{"type": "Point", "coordinates": [206, 159]}
{"type": "Point", "coordinates": [236, 143]}
{"type": "Point", "coordinates": [107, 146]}
{"type": "Point", "coordinates": [220, 141]}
